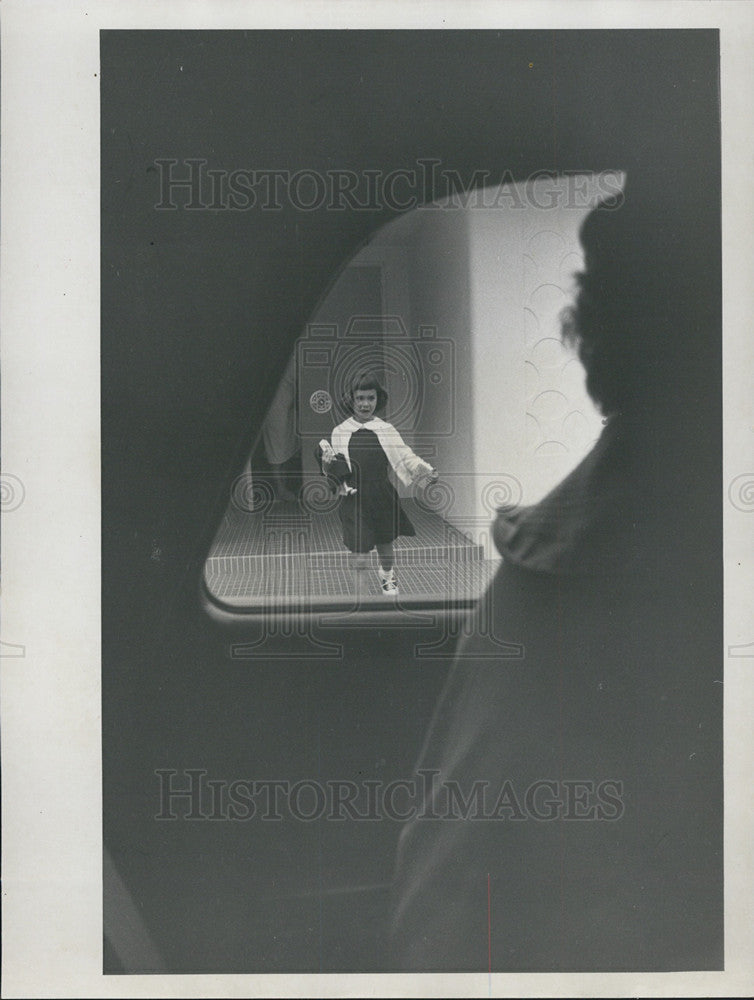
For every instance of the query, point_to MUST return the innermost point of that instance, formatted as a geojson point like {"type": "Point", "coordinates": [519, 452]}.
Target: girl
{"type": "Point", "coordinates": [371, 513]}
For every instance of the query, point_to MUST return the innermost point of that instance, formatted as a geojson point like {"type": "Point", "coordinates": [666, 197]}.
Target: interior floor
{"type": "Point", "coordinates": [286, 551]}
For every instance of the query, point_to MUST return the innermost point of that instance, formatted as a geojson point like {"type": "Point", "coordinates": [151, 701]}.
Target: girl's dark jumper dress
{"type": "Point", "coordinates": [373, 515]}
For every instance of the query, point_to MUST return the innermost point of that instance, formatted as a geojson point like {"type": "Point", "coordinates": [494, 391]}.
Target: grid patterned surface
{"type": "Point", "coordinates": [287, 552]}
{"type": "Point", "coordinates": [289, 528]}
{"type": "Point", "coordinates": [240, 581]}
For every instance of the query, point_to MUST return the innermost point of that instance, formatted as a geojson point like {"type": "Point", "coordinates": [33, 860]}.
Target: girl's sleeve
{"type": "Point", "coordinates": [407, 466]}
{"type": "Point", "coordinates": [339, 439]}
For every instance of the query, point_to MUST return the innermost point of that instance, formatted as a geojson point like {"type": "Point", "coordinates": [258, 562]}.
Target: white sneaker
{"type": "Point", "coordinates": [387, 580]}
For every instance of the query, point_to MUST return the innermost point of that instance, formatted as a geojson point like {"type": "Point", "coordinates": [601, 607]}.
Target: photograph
{"type": "Point", "coordinates": [376, 494]}
{"type": "Point", "coordinates": [411, 520]}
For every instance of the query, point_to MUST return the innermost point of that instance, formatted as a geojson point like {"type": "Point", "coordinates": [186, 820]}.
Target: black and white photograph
{"type": "Point", "coordinates": [409, 375]}
{"type": "Point", "coordinates": [410, 345]}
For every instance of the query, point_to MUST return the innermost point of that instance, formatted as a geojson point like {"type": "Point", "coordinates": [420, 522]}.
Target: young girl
{"type": "Point", "coordinates": [370, 510]}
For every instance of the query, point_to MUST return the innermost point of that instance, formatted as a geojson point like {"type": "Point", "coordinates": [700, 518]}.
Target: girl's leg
{"type": "Point", "coordinates": [385, 554]}
{"type": "Point", "coordinates": [386, 574]}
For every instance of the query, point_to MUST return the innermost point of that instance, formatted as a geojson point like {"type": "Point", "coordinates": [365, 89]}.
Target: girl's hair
{"type": "Point", "coordinates": [365, 380]}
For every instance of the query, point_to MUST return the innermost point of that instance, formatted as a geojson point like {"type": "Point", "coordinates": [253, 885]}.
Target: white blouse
{"type": "Point", "coordinates": [407, 466]}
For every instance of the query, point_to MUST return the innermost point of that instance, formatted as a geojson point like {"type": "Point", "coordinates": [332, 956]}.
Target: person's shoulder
{"type": "Point", "coordinates": [344, 426]}
{"type": "Point", "coordinates": [377, 423]}
{"type": "Point", "coordinates": [587, 524]}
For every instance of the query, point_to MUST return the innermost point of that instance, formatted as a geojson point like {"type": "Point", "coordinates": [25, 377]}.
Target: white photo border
{"type": "Point", "coordinates": [51, 718]}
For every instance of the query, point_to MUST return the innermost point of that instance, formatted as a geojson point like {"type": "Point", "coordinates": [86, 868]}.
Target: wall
{"type": "Point", "coordinates": [479, 381]}
{"type": "Point", "coordinates": [533, 420]}
{"type": "Point", "coordinates": [439, 283]}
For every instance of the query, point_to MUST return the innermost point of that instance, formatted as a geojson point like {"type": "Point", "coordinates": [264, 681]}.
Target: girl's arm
{"type": "Point", "coordinates": [340, 461]}
{"type": "Point", "coordinates": [407, 466]}
{"type": "Point", "coordinates": [340, 439]}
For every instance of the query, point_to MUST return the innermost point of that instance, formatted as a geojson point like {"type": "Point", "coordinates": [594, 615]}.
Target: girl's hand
{"type": "Point", "coordinates": [427, 478]}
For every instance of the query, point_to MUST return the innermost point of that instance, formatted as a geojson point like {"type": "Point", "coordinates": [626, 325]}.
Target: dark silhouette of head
{"type": "Point", "coordinates": [646, 299]}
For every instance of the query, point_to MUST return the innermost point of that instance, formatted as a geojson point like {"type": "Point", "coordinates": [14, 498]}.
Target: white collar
{"type": "Point", "coordinates": [353, 424]}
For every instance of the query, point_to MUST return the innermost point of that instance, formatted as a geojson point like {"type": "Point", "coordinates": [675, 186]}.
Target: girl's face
{"type": "Point", "coordinates": [364, 404]}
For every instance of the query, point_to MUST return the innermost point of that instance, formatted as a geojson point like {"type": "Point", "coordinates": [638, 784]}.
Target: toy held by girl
{"type": "Point", "coordinates": [370, 510]}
